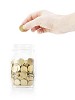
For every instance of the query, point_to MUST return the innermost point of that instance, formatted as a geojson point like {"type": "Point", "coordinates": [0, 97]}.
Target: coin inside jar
{"type": "Point", "coordinates": [17, 82]}
{"type": "Point", "coordinates": [23, 82]}
{"type": "Point", "coordinates": [30, 68]}
{"type": "Point", "coordinates": [30, 83]}
{"type": "Point", "coordinates": [21, 61]}
{"type": "Point", "coordinates": [30, 61]}
{"type": "Point", "coordinates": [23, 75]}
{"type": "Point", "coordinates": [15, 68]}
{"type": "Point", "coordinates": [23, 69]}
{"type": "Point", "coordinates": [29, 78]}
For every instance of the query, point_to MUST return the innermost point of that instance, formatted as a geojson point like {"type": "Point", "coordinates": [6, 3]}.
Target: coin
{"type": "Point", "coordinates": [30, 68]}
{"type": "Point", "coordinates": [22, 29]}
{"type": "Point", "coordinates": [29, 78]}
{"type": "Point", "coordinates": [17, 82]}
{"type": "Point", "coordinates": [30, 83]}
{"type": "Point", "coordinates": [23, 75]}
{"type": "Point", "coordinates": [23, 69]}
{"type": "Point", "coordinates": [21, 61]}
{"type": "Point", "coordinates": [30, 61]}
{"type": "Point", "coordinates": [15, 68]}
{"type": "Point", "coordinates": [17, 75]}
{"type": "Point", "coordinates": [23, 82]}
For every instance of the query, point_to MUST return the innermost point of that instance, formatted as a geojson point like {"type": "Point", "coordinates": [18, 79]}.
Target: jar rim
{"type": "Point", "coordinates": [23, 46]}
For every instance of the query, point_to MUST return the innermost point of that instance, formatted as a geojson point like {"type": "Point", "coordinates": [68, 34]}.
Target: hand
{"type": "Point", "coordinates": [42, 21]}
{"type": "Point", "coordinates": [45, 21]}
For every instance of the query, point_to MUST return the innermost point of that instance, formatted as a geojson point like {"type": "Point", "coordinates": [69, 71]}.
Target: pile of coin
{"type": "Point", "coordinates": [22, 72]}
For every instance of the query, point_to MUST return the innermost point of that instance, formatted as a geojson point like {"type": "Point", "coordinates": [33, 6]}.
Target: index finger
{"type": "Point", "coordinates": [31, 17]}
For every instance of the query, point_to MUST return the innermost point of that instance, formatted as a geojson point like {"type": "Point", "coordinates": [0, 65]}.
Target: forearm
{"type": "Point", "coordinates": [68, 23]}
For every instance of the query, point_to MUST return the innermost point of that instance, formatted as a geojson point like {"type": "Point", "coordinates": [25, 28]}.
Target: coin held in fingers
{"type": "Point", "coordinates": [22, 29]}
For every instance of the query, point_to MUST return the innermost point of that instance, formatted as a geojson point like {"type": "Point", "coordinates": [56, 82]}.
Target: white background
{"type": "Point", "coordinates": [55, 54]}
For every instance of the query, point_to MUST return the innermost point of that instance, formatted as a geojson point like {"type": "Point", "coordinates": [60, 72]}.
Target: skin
{"type": "Point", "coordinates": [45, 21]}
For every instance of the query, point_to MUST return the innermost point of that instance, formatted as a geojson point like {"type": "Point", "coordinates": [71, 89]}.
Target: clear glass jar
{"type": "Point", "coordinates": [22, 65]}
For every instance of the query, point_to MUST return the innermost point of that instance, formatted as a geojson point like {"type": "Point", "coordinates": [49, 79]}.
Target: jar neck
{"type": "Point", "coordinates": [23, 47]}
{"type": "Point", "coordinates": [22, 51]}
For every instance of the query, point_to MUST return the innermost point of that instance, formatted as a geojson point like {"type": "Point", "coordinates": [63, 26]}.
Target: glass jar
{"type": "Point", "coordinates": [22, 65]}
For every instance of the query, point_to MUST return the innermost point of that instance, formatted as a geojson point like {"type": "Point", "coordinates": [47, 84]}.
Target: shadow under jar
{"type": "Point", "coordinates": [22, 65]}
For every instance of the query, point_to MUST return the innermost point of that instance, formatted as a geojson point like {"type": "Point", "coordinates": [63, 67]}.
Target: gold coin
{"type": "Point", "coordinates": [21, 62]}
{"type": "Point", "coordinates": [23, 69]}
{"type": "Point", "coordinates": [30, 83]}
{"type": "Point", "coordinates": [15, 68]}
{"type": "Point", "coordinates": [23, 82]}
{"type": "Point", "coordinates": [30, 61]}
{"type": "Point", "coordinates": [29, 78]}
{"type": "Point", "coordinates": [22, 29]}
{"type": "Point", "coordinates": [17, 82]}
{"type": "Point", "coordinates": [30, 68]}
{"type": "Point", "coordinates": [31, 75]}
{"type": "Point", "coordinates": [17, 75]}
{"type": "Point", "coordinates": [23, 75]}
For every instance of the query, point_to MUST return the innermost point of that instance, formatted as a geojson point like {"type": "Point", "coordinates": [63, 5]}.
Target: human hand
{"type": "Point", "coordinates": [45, 21]}
{"type": "Point", "coordinates": [42, 21]}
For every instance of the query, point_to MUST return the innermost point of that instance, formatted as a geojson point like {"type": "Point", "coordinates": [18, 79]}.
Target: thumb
{"type": "Point", "coordinates": [32, 23]}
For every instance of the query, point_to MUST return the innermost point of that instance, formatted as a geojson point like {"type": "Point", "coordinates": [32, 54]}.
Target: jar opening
{"type": "Point", "coordinates": [23, 46]}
